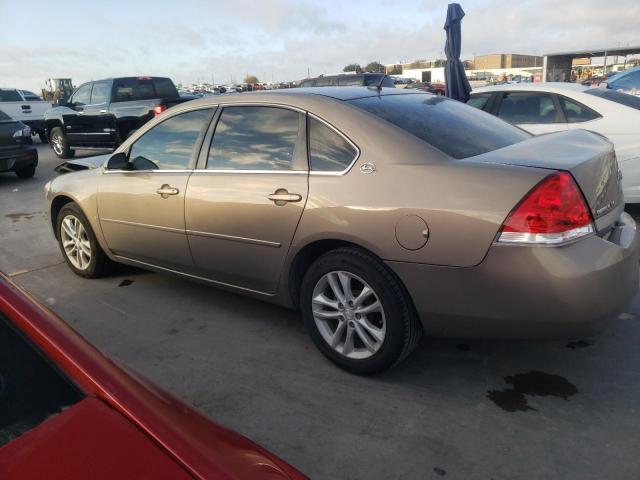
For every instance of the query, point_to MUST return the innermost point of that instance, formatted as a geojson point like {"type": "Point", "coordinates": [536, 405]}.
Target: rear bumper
{"type": "Point", "coordinates": [17, 159]}
{"type": "Point", "coordinates": [529, 292]}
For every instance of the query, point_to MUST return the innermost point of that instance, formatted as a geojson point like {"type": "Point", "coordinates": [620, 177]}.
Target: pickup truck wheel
{"type": "Point", "coordinates": [79, 245]}
{"type": "Point", "coordinates": [27, 172]}
{"type": "Point", "coordinates": [43, 137]}
{"type": "Point", "coordinates": [60, 144]}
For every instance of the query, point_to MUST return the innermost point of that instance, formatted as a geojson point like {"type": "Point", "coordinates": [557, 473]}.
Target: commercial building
{"type": "Point", "coordinates": [561, 67]}
{"type": "Point", "coordinates": [496, 61]}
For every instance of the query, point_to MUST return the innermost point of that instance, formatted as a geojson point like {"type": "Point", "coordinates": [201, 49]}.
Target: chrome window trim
{"type": "Point", "coordinates": [106, 171]}
{"type": "Point", "coordinates": [277, 172]}
{"type": "Point", "coordinates": [143, 225]}
{"type": "Point", "coordinates": [233, 238]}
{"type": "Point", "coordinates": [327, 172]}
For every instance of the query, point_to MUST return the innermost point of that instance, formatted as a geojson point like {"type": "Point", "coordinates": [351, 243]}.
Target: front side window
{"type": "Point", "coordinates": [83, 95]}
{"type": "Point", "coordinates": [100, 93]}
{"type": "Point", "coordinates": [328, 150]}
{"type": "Point", "coordinates": [169, 145]}
{"type": "Point", "coordinates": [258, 138]}
{"type": "Point", "coordinates": [10, 96]}
{"type": "Point", "coordinates": [577, 112]}
{"type": "Point", "coordinates": [524, 107]}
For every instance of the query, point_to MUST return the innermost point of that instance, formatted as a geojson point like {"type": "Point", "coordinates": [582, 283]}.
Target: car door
{"type": "Point", "coordinates": [141, 209]}
{"type": "Point", "coordinates": [75, 123]}
{"type": "Point", "coordinates": [535, 112]}
{"type": "Point", "coordinates": [98, 122]}
{"type": "Point", "coordinates": [244, 202]}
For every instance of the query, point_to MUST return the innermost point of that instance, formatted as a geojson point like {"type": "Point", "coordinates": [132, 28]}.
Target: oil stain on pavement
{"type": "Point", "coordinates": [16, 217]}
{"type": "Point", "coordinates": [125, 283]}
{"type": "Point", "coordinates": [542, 384]}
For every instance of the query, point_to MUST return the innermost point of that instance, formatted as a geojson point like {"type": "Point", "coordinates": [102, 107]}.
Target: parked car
{"type": "Point", "coordinates": [551, 107]}
{"type": "Point", "coordinates": [103, 113]}
{"type": "Point", "coordinates": [17, 153]}
{"type": "Point", "coordinates": [435, 88]}
{"type": "Point", "coordinates": [25, 107]}
{"type": "Point", "coordinates": [378, 213]}
{"type": "Point", "coordinates": [67, 412]}
{"type": "Point", "coordinates": [626, 82]}
{"type": "Point", "coordinates": [349, 79]}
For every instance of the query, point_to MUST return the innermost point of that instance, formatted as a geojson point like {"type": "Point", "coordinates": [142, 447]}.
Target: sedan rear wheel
{"type": "Point", "coordinates": [357, 311]}
{"type": "Point", "coordinates": [79, 245]}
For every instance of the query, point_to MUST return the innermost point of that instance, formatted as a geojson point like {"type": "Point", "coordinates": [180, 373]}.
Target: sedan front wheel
{"type": "Point", "coordinates": [357, 312]}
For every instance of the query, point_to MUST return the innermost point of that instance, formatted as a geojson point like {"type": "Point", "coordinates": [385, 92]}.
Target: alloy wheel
{"type": "Point", "coordinates": [75, 242]}
{"type": "Point", "coordinates": [348, 314]}
{"type": "Point", "coordinates": [56, 144]}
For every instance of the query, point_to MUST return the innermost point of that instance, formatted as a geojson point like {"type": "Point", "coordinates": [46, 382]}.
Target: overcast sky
{"type": "Point", "coordinates": [191, 39]}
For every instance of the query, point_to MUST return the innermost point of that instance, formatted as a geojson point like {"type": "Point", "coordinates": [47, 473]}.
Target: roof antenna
{"type": "Point", "coordinates": [378, 86]}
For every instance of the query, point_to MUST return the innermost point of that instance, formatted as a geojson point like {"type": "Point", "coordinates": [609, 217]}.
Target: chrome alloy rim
{"type": "Point", "coordinates": [348, 315]}
{"type": "Point", "coordinates": [75, 242]}
{"type": "Point", "coordinates": [56, 143]}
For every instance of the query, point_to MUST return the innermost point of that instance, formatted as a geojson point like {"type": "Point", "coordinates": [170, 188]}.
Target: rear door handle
{"type": "Point", "coordinates": [282, 197]}
{"type": "Point", "coordinates": [103, 111]}
{"type": "Point", "coordinates": [165, 190]}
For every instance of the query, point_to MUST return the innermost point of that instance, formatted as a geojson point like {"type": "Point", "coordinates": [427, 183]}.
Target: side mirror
{"type": "Point", "coordinates": [118, 162]}
{"type": "Point", "coordinates": [62, 102]}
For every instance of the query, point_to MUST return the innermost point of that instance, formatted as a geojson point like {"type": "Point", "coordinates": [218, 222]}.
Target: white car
{"type": "Point", "coordinates": [551, 107]}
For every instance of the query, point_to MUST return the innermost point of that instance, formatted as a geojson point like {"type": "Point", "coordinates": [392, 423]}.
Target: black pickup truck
{"type": "Point", "coordinates": [103, 113]}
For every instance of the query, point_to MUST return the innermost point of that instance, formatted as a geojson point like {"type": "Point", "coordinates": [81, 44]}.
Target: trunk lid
{"type": "Point", "coordinates": [7, 129]}
{"type": "Point", "coordinates": [589, 157]}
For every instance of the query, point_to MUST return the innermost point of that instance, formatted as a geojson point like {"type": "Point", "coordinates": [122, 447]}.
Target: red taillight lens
{"type": "Point", "coordinates": [555, 211]}
{"type": "Point", "coordinates": [158, 109]}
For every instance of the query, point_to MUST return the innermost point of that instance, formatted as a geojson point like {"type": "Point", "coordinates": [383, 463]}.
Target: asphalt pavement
{"type": "Point", "coordinates": [455, 409]}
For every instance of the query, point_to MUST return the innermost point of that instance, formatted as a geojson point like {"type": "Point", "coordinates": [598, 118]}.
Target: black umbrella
{"type": "Point", "coordinates": [456, 83]}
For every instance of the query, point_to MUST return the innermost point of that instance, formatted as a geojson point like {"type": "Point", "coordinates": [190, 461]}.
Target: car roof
{"type": "Point", "coordinates": [624, 73]}
{"type": "Point", "coordinates": [553, 87]}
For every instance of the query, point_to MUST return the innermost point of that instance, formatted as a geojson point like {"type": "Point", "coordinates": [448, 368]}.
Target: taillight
{"type": "Point", "coordinates": [158, 109]}
{"type": "Point", "coordinates": [555, 211]}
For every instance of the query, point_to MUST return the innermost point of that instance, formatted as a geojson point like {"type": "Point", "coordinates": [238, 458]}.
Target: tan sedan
{"type": "Point", "coordinates": [379, 213]}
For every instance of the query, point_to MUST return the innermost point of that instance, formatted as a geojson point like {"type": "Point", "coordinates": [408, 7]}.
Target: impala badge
{"type": "Point", "coordinates": [368, 167]}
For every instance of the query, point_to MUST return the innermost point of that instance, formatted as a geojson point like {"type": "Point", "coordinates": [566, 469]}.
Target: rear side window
{"type": "Point", "coordinates": [164, 88]}
{"type": "Point", "coordinates": [577, 112]}
{"type": "Point", "coordinates": [523, 107]}
{"type": "Point", "coordinates": [10, 96]}
{"type": "Point", "coordinates": [169, 145]}
{"type": "Point", "coordinates": [454, 128]}
{"type": "Point", "coordinates": [144, 88]}
{"type": "Point", "coordinates": [479, 101]}
{"type": "Point", "coordinates": [328, 150]}
{"type": "Point", "coordinates": [351, 80]}
{"type": "Point", "coordinates": [258, 138]}
{"type": "Point", "coordinates": [31, 388]}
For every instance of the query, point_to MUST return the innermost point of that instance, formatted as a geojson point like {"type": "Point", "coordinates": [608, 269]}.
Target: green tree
{"type": "Point", "coordinates": [251, 79]}
{"type": "Point", "coordinates": [374, 67]}
{"type": "Point", "coordinates": [353, 67]}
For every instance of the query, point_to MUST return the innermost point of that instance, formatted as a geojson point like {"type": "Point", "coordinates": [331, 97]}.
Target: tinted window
{"type": "Point", "coordinates": [4, 116]}
{"type": "Point", "coordinates": [168, 145]}
{"type": "Point", "coordinates": [520, 107]}
{"type": "Point", "coordinates": [325, 81]}
{"type": "Point", "coordinates": [480, 100]}
{"type": "Point", "coordinates": [30, 96]}
{"type": "Point", "coordinates": [124, 90]}
{"type": "Point", "coordinates": [576, 112]}
{"type": "Point", "coordinates": [83, 95]}
{"type": "Point", "coordinates": [164, 88]}
{"type": "Point", "coordinates": [10, 96]}
{"type": "Point", "coordinates": [626, 82]}
{"type": "Point", "coordinates": [612, 95]}
{"type": "Point", "coordinates": [127, 89]}
{"type": "Point", "coordinates": [100, 93]}
{"type": "Point", "coordinates": [328, 150]}
{"type": "Point", "coordinates": [351, 80]}
{"type": "Point", "coordinates": [258, 138]}
{"type": "Point", "coordinates": [306, 83]}
{"type": "Point", "coordinates": [450, 126]}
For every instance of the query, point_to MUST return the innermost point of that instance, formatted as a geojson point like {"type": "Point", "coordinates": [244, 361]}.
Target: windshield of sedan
{"type": "Point", "coordinates": [615, 96]}
{"type": "Point", "coordinates": [31, 388]}
{"type": "Point", "coordinates": [456, 129]}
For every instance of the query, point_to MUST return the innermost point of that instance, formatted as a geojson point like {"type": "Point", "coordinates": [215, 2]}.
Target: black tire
{"type": "Point", "coordinates": [100, 264]}
{"type": "Point", "coordinates": [403, 328]}
{"type": "Point", "coordinates": [27, 172]}
{"type": "Point", "coordinates": [43, 137]}
{"type": "Point", "coordinates": [61, 149]}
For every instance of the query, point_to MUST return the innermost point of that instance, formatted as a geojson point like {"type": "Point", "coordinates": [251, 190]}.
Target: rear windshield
{"type": "Point", "coordinates": [144, 88]}
{"type": "Point", "coordinates": [31, 388]}
{"type": "Point", "coordinates": [456, 129]}
{"type": "Point", "coordinates": [615, 96]}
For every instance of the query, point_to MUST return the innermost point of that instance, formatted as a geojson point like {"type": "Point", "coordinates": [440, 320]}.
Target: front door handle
{"type": "Point", "coordinates": [282, 197]}
{"type": "Point", "coordinates": [165, 190]}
